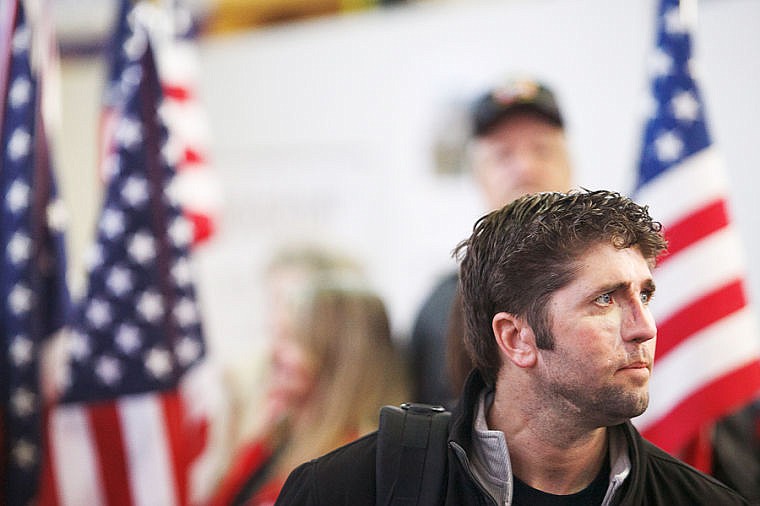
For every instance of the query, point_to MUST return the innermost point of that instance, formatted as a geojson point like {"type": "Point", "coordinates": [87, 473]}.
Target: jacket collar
{"type": "Point", "coordinates": [625, 439]}
{"type": "Point", "coordinates": [464, 412]}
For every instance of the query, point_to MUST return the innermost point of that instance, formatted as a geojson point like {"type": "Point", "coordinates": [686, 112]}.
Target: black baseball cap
{"type": "Point", "coordinates": [513, 96]}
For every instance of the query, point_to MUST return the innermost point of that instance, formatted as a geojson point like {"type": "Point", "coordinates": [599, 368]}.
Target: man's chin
{"type": "Point", "coordinates": [639, 407]}
{"type": "Point", "coordinates": [631, 408]}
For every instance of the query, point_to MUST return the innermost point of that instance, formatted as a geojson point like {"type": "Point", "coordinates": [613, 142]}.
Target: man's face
{"type": "Point", "coordinates": [522, 154]}
{"type": "Point", "coordinates": [604, 339]}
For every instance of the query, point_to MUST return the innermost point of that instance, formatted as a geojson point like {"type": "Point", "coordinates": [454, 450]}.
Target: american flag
{"type": "Point", "coordinates": [32, 270]}
{"type": "Point", "coordinates": [114, 96]}
{"type": "Point", "coordinates": [176, 55]}
{"type": "Point", "coordinates": [122, 433]}
{"type": "Point", "coordinates": [708, 349]}
{"type": "Point", "coordinates": [198, 189]}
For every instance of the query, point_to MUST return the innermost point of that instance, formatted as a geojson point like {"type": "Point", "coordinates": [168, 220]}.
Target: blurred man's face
{"type": "Point", "coordinates": [522, 154]}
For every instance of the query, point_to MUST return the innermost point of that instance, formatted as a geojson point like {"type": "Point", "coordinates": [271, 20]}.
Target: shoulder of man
{"type": "Point", "coordinates": [668, 480]}
{"type": "Point", "coordinates": [345, 476]}
{"type": "Point", "coordinates": [446, 287]}
{"type": "Point", "coordinates": [431, 322]}
{"type": "Point", "coordinates": [437, 303]}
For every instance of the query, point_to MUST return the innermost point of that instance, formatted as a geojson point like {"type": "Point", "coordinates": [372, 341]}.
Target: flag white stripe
{"type": "Point", "coordinates": [178, 61]}
{"type": "Point", "coordinates": [685, 188]}
{"type": "Point", "coordinates": [684, 370]}
{"type": "Point", "coordinates": [676, 282]}
{"type": "Point", "coordinates": [187, 120]}
{"type": "Point", "coordinates": [148, 458]}
{"type": "Point", "coordinates": [197, 190]}
{"type": "Point", "coordinates": [71, 442]}
{"type": "Point", "coordinates": [203, 398]}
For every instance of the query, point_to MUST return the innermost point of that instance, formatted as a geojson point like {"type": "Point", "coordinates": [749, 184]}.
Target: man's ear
{"type": "Point", "coordinates": [515, 339]}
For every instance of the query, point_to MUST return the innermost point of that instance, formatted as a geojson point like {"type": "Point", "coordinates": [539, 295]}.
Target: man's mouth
{"type": "Point", "coordinates": [637, 365]}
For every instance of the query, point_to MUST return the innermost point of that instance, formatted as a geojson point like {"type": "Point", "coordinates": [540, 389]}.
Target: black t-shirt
{"type": "Point", "coordinates": [525, 495]}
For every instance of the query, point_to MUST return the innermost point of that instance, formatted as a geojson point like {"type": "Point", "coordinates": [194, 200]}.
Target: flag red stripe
{"type": "Point", "coordinates": [109, 118]}
{"type": "Point", "coordinates": [203, 225]}
{"type": "Point", "coordinates": [714, 400]}
{"type": "Point", "coordinates": [108, 437]}
{"type": "Point", "coordinates": [171, 404]}
{"type": "Point", "coordinates": [699, 314]}
{"type": "Point", "coordinates": [198, 437]}
{"type": "Point", "coordinates": [48, 492]}
{"type": "Point", "coordinates": [174, 92]}
{"type": "Point", "coordinates": [698, 451]}
{"type": "Point", "coordinates": [192, 156]}
{"type": "Point", "coordinates": [695, 227]}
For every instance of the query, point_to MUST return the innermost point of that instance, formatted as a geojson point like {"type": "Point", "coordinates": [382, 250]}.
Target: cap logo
{"type": "Point", "coordinates": [517, 91]}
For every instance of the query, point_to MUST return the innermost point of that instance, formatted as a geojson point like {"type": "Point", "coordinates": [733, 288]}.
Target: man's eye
{"type": "Point", "coordinates": [605, 298]}
{"type": "Point", "coordinates": [646, 297]}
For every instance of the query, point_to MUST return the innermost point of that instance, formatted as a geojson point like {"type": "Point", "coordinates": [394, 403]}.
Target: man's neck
{"type": "Point", "coordinates": [549, 453]}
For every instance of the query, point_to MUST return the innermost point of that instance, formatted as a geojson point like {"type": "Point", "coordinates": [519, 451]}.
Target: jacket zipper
{"type": "Point", "coordinates": [465, 462]}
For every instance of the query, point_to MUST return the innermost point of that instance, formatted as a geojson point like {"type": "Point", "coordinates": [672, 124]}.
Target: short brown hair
{"type": "Point", "coordinates": [519, 255]}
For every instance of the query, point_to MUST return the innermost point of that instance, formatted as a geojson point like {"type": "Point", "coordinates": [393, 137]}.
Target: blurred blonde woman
{"type": "Point", "coordinates": [329, 378]}
{"type": "Point", "coordinates": [291, 270]}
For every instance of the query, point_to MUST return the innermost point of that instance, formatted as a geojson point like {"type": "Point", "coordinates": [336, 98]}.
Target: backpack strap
{"type": "Point", "coordinates": [411, 455]}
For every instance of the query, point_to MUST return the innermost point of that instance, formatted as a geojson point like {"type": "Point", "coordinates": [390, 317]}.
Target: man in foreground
{"type": "Point", "coordinates": [556, 290]}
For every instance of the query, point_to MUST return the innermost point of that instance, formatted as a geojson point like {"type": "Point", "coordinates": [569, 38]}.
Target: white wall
{"type": "Point", "coordinates": [324, 130]}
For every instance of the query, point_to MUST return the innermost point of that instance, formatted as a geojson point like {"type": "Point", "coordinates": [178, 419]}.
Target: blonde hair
{"type": "Point", "coordinates": [310, 263]}
{"type": "Point", "coordinates": [346, 333]}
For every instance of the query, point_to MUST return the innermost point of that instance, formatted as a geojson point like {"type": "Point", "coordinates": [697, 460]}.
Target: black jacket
{"type": "Point", "coordinates": [346, 476]}
{"type": "Point", "coordinates": [427, 346]}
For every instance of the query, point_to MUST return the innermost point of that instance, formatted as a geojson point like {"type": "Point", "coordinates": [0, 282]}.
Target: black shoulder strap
{"type": "Point", "coordinates": [412, 455]}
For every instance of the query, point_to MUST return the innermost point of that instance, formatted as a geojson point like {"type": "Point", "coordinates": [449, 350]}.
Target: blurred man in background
{"type": "Point", "coordinates": [517, 146]}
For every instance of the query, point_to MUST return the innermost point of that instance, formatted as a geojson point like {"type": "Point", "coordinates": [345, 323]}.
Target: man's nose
{"type": "Point", "coordinates": [638, 323]}
{"type": "Point", "coordinates": [522, 163]}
